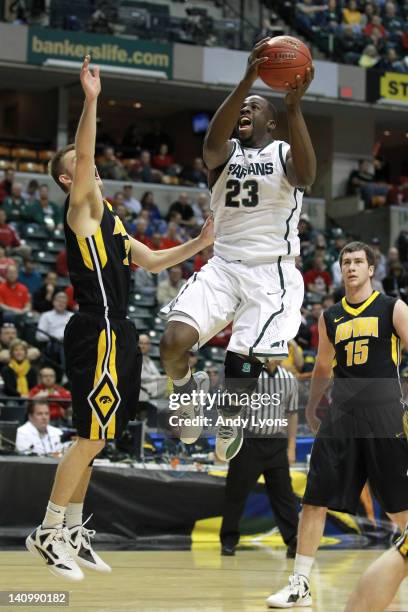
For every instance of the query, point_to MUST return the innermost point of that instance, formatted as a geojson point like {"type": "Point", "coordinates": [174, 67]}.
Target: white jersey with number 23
{"type": "Point", "coordinates": [256, 210]}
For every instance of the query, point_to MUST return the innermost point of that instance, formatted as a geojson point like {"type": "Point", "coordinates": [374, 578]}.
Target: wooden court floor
{"type": "Point", "coordinates": [191, 581]}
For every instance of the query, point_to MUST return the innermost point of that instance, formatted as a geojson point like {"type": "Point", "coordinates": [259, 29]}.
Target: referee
{"type": "Point", "coordinates": [267, 450]}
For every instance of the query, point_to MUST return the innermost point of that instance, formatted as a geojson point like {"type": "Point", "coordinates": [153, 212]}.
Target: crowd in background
{"type": "Point", "coordinates": [368, 33]}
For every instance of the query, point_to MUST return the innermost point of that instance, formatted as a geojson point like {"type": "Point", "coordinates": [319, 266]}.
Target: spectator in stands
{"type": "Point", "coordinates": [163, 160]}
{"type": "Point", "coordinates": [318, 279]}
{"type": "Point", "coordinates": [374, 25]}
{"type": "Point", "coordinates": [5, 262]}
{"type": "Point", "coordinates": [393, 24]}
{"type": "Point", "coordinates": [370, 10]}
{"type": "Point", "coordinates": [294, 361]}
{"type": "Point", "coordinates": [62, 264]}
{"type": "Point", "coordinates": [118, 198]}
{"type": "Point", "coordinates": [14, 205]}
{"type": "Point", "coordinates": [347, 45]}
{"type": "Point", "coordinates": [43, 297]}
{"type": "Point", "coordinates": [195, 176]}
{"type": "Point", "coordinates": [6, 184]}
{"type": "Point", "coordinates": [393, 256]}
{"type": "Point", "coordinates": [359, 178]}
{"type": "Point", "coordinates": [328, 301]}
{"type": "Point", "coordinates": [8, 333]}
{"type": "Point", "coordinates": [215, 379]}
{"type": "Point", "coordinates": [18, 375]}
{"type": "Point", "coordinates": [148, 204]}
{"type": "Point", "coordinates": [53, 322]}
{"type": "Point", "coordinates": [315, 312]}
{"type": "Point", "coordinates": [307, 14]}
{"type": "Point", "coordinates": [110, 167]}
{"type": "Point", "coordinates": [10, 239]}
{"type": "Point", "coordinates": [202, 258]}
{"type": "Point", "coordinates": [396, 282]}
{"type": "Point", "coordinates": [47, 389]}
{"type": "Point", "coordinates": [31, 194]}
{"type": "Point", "coordinates": [146, 282]}
{"type": "Point", "coordinates": [182, 206]}
{"type": "Point", "coordinates": [37, 436]}
{"type": "Point", "coordinates": [351, 14]}
{"type": "Point", "coordinates": [169, 288]}
{"type": "Point", "coordinates": [125, 217]}
{"type": "Point", "coordinates": [143, 171]}
{"type": "Point", "coordinates": [153, 384]}
{"type": "Point", "coordinates": [140, 233]}
{"type": "Point", "coordinates": [200, 208]}
{"type": "Point", "coordinates": [380, 259]}
{"type": "Point", "coordinates": [369, 57]}
{"type": "Point", "coordinates": [172, 237]}
{"type": "Point", "coordinates": [72, 305]}
{"type": "Point", "coordinates": [391, 62]}
{"type": "Point", "coordinates": [133, 206]}
{"type": "Point", "coordinates": [132, 140]}
{"type": "Point", "coordinates": [331, 17]}
{"type": "Point", "coordinates": [306, 233]}
{"type": "Point", "coordinates": [15, 299]}
{"type": "Point", "coordinates": [45, 212]}
{"type": "Point", "coordinates": [29, 276]}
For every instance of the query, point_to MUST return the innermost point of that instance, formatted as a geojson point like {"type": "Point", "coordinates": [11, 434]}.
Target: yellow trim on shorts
{"type": "Point", "coordinates": [95, 427]}
{"type": "Point", "coordinates": [112, 370]}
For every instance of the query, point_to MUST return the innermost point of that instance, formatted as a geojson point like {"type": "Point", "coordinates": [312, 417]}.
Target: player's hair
{"type": "Point", "coordinates": [352, 247]}
{"type": "Point", "coordinates": [55, 166]}
{"type": "Point", "coordinates": [31, 406]}
{"type": "Point", "coordinates": [272, 110]}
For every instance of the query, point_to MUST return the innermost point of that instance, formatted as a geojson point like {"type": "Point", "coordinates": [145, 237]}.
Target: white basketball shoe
{"type": "Point", "coordinates": [190, 433]}
{"type": "Point", "coordinates": [51, 545]}
{"type": "Point", "coordinates": [296, 595]}
{"type": "Point", "coordinates": [79, 545]}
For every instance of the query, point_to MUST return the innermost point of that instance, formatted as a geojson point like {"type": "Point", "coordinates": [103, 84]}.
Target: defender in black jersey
{"type": "Point", "coordinates": [103, 361]}
{"type": "Point", "coordinates": [362, 435]}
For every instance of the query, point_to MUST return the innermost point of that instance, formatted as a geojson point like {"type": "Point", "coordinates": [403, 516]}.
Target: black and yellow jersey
{"type": "Point", "coordinates": [366, 347]}
{"type": "Point", "coordinates": [99, 265]}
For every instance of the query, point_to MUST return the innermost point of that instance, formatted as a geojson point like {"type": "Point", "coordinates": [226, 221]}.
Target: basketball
{"type": "Point", "coordinates": [287, 57]}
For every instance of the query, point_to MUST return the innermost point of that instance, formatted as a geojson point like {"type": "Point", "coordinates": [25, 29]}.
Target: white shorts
{"type": "Point", "coordinates": [263, 302]}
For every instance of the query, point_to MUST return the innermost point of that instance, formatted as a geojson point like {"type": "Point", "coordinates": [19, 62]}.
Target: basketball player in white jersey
{"type": "Point", "coordinates": [256, 187]}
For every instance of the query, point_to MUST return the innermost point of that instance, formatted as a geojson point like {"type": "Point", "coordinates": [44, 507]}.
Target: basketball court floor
{"type": "Point", "coordinates": [191, 581]}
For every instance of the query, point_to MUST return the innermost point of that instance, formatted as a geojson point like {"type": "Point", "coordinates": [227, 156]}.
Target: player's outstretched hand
{"type": "Point", "coordinates": [207, 232]}
{"type": "Point", "coordinates": [254, 61]}
{"type": "Point", "coordinates": [297, 91]}
{"type": "Point", "coordinates": [91, 83]}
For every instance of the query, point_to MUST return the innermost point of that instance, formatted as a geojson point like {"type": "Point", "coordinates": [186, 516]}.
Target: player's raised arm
{"type": "Point", "coordinates": [301, 158]}
{"type": "Point", "coordinates": [321, 376]}
{"type": "Point", "coordinates": [86, 204]}
{"type": "Point", "coordinates": [156, 261]}
{"type": "Point", "coordinates": [217, 145]}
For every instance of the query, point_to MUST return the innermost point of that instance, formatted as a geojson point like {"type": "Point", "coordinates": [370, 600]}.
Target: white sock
{"type": "Point", "coordinates": [303, 565]}
{"type": "Point", "coordinates": [180, 382]}
{"type": "Point", "coordinates": [54, 516]}
{"type": "Point", "coordinates": [73, 516]}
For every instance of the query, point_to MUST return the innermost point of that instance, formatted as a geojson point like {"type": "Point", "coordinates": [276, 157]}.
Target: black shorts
{"type": "Point", "coordinates": [103, 365]}
{"type": "Point", "coordinates": [356, 445]}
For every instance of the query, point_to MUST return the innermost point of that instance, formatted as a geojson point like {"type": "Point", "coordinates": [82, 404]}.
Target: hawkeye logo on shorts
{"type": "Point", "coordinates": [104, 399]}
{"type": "Point", "coordinates": [362, 326]}
{"type": "Point", "coordinates": [256, 169]}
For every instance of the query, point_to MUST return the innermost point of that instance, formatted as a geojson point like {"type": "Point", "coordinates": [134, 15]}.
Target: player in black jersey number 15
{"type": "Point", "coordinates": [103, 361]}
{"type": "Point", "coordinates": [361, 437]}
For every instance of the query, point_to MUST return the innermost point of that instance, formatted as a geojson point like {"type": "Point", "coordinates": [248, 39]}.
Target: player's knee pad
{"type": "Point", "coordinates": [241, 375]}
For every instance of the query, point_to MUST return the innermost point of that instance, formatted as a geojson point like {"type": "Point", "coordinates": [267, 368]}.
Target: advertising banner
{"type": "Point", "coordinates": [387, 87]}
{"type": "Point", "coordinates": [47, 44]}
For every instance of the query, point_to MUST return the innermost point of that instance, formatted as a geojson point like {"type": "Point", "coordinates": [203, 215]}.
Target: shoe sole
{"type": "Point", "coordinates": [303, 604]}
{"type": "Point", "coordinates": [228, 456]}
{"type": "Point", "coordinates": [31, 547]}
{"type": "Point", "coordinates": [203, 385]}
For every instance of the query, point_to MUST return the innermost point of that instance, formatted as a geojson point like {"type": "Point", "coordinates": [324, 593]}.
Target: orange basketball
{"type": "Point", "coordinates": [287, 57]}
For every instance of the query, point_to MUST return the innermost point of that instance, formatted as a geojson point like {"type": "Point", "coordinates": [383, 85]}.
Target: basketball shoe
{"type": "Point", "coordinates": [296, 595]}
{"type": "Point", "coordinates": [51, 545]}
{"type": "Point", "coordinates": [230, 435]}
{"type": "Point", "coordinates": [190, 433]}
{"type": "Point", "coordinates": [79, 545]}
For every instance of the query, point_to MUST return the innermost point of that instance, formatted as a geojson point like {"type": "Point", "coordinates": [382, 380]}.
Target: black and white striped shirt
{"type": "Point", "coordinates": [277, 396]}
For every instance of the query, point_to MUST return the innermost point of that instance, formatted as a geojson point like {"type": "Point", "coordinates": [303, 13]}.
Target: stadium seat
{"type": "Point", "coordinates": [45, 257]}
{"type": "Point", "coordinates": [4, 151]}
{"type": "Point", "coordinates": [58, 236]}
{"type": "Point", "coordinates": [35, 231]}
{"type": "Point", "coordinates": [217, 354]}
{"type": "Point", "coordinates": [143, 300]}
{"type": "Point", "coordinates": [22, 153]}
{"type": "Point", "coordinates": [53, 247]}
{"type": "Point", "coordinates": [14, 412]}
{"type": "Point", "coordinates": [31, 167]}
{"type": "Point", "coordinates": [5, 163]}
{"type": "Point", "coordinates": [45, 155]}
